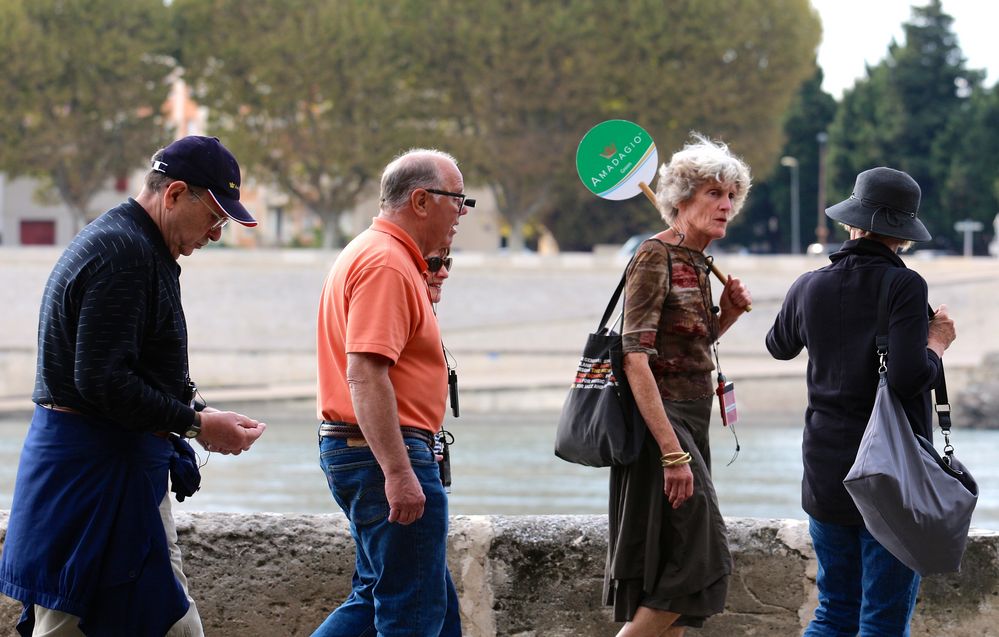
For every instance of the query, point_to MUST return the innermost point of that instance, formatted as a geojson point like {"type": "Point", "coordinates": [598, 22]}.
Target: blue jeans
{"type": "Point", "coordinates": [401, 584]}
{"type": "Point", "coordinates": [863, 589]}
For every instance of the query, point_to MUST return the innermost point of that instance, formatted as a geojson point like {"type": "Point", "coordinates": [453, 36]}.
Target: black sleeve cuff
{"type": "Point", "coordinates": [185, 420]}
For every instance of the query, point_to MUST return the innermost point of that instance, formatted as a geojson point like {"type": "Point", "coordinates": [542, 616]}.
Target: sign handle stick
{"type": "Point", "coordinates": [714, 268]}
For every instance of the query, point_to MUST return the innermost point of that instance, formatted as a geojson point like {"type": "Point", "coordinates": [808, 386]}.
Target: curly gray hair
{"type": "Point", "coordinates": [700, 161]}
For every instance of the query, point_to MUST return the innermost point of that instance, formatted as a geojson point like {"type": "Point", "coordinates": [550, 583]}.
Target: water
{"type": "Point", "coordinates": [504, 464]}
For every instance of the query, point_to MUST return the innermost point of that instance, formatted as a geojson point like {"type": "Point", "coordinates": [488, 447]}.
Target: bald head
{"type": "Point", "coordinates": [417, 168]}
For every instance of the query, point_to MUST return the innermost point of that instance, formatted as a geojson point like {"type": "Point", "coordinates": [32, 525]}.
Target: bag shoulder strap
{"type": "Point", "coordinates": [942, 405]}
{"type": "Point", "coordinates": [881, 337]}
{"type": "Point", "coordinates": [602, 328]}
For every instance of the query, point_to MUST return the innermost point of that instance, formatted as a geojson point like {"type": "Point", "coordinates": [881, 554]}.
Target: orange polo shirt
{"type": "Point", "coordinates": [375, 301]}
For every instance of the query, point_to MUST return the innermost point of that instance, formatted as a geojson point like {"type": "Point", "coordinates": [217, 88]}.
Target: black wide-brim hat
{"type": "Point", "coordinates": [885, 201]}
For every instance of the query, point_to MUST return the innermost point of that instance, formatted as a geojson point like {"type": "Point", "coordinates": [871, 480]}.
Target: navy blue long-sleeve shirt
{"type": "Point", "coordinates": [112, 337]}
{"type": "Point", "coordinates": [833, 313]}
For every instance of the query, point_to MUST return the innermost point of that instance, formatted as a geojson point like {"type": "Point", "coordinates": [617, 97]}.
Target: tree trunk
{"type": "Point", "coordinates": [331, 230]}
{"type": "Point", "coordinates": [331, 236]}
{"type": "Point", "coordinates": [79, 217]}
{"type": "Point", "coordinates": [515, 245]}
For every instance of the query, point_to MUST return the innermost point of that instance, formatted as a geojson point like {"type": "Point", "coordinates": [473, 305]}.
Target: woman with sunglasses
{"type": "Point", "coordinates": [438, 269]}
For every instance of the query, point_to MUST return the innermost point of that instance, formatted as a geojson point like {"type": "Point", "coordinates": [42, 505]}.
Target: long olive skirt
{"type": "Point", "coordinates": [669, 559]}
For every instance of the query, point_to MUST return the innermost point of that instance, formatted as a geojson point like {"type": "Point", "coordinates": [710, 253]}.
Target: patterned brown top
{"type": "Point", "coordinates": [670, 318]}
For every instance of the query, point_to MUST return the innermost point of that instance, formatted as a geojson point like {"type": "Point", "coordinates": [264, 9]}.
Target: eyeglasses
{"type": "Point", "coordinates": [434, 264]}
{"type": "Point", "coordinates": [465, 201]}
{"type": "Point", "coordinates": [220, 221]}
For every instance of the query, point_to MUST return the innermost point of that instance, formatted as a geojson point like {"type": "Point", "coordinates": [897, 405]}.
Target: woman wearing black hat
{"type": "Point", "coordinates": [832, 313]}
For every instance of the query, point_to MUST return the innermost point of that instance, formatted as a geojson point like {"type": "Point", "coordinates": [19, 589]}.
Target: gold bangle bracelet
{"type": "Point", "coordinates": [680, 459]}
{"type": "Point", "coordinates": [676, 463]}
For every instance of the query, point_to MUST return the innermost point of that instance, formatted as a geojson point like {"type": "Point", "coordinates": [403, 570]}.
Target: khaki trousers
{"type": "Point", "coordinates": [54, 623]}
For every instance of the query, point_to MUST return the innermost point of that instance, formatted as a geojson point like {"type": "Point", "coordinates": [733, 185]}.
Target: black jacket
{"type": "Point", "coordinates": [833, 313]}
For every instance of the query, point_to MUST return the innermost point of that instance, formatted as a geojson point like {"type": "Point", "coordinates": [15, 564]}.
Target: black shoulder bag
{"type": "Point", "coordinates": [600, 425]}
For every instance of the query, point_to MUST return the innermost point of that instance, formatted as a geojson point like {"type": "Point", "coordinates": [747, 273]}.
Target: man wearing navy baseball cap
{"type": "Point", "coordinates": [205, 162]}
{"type": "Point", "coordinates": [91, 545]}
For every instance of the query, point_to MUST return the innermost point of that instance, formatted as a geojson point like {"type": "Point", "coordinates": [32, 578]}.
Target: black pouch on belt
{"type": "Point", "coordinates": [442, 447]}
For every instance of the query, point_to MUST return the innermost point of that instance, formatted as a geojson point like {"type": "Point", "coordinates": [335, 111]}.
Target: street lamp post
{"type": "Point", "coordinates": [821, 232]}
{"type": "Point", "coordinates": [792, 163]}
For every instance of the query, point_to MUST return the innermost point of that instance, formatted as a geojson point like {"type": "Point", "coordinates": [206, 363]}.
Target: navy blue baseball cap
{"type": "Point", "coordinates": [205, 162]}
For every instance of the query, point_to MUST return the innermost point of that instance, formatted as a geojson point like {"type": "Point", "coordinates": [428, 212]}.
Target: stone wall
{"type": "Point", "coordinates": [267, 575]}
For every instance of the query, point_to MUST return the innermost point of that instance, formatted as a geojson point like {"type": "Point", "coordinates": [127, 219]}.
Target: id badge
{"type": "Point", "coordinates": [726, 402]}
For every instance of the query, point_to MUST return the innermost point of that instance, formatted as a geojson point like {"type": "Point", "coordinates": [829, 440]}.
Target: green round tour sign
{"type": "Point", "coordinates": [614, 157]}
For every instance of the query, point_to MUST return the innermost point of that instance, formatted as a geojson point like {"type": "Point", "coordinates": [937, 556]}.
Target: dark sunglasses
{"type": "Point", "coordinates": [465, 201]}
{"type": "Point", "coordinates": [434, 264]}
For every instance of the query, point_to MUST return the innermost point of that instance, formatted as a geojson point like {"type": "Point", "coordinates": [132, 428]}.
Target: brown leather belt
{"type": "Point", "coordinates": [350, 431]}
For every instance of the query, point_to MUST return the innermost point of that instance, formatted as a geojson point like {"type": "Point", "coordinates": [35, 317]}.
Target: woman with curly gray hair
{"type": "Point", "coordinates": [668, 564]}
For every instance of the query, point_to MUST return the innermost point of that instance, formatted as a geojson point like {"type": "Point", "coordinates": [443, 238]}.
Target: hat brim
{"type": "Point", "coordinates": [234, 210]}
{"type": "Point", "coordinates": [854, 213]}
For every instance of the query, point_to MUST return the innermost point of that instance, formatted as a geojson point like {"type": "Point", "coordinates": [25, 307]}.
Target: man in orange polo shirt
{"type": "Point", "coordinates": [382, 388]}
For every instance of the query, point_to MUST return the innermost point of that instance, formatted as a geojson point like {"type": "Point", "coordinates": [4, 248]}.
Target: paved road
{"type": "Point", "coordinates": [512, 322]}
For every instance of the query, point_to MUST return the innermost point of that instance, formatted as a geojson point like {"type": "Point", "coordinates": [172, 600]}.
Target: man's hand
{"type": "Point", "coordinates": [227, 432]}
{"type": "Point", "coordinates": [405, 497]}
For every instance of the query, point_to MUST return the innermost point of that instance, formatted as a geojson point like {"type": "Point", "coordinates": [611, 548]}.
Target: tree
{"type": "Point", "coordinates": [899, 114]}
{"type": "Point", "coordinates": [512, 78]}
{"type": "Point", "coordinates": [537, 76]}
{"type": "Point", "coordinates": [312, 96]}
{"type": "Point", "coordinates": [968, 152]}
{"type": "Point", "coordinates": [316, 97]}
{"type": "Point", "coordinates": [81, 105]}
{"type": "Point", "coordinates": [811, 113]}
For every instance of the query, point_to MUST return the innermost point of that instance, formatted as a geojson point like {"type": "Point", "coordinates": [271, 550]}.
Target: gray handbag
{"type": "Point", "coordinates": [917, 504]}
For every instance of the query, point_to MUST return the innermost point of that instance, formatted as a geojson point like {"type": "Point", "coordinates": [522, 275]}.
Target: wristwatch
{"type": "Point", "coordinates": [195, 429]}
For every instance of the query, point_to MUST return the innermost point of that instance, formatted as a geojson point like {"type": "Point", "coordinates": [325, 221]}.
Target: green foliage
{"type": "Point", "coordinates": [968, 156]}
{"type": "Point", "coordinates": [911, 112]}
{"type": "Point", "coordinates": [312, 96]}
{"type": "Point", "coordinates": [315, 96]}
{"type": "Point", "coordinates": [536, 76]}
{"type": "Point", "coordinates": [765, 222]}
{"type": "Point", "coordinates": [80, 104]}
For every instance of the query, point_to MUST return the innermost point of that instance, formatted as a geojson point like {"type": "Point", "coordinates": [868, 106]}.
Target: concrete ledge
{"type": "Point", "coordinates": [260, 575]}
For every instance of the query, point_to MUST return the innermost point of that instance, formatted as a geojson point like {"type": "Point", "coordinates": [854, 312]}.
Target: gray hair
{"type": "Point", "coordinates": [902, 245]}
{"type": "Point", "coordinates": [700, 161]}
{"type": "Point", "coordinates": [155, 180]}
{"type": "Point", "coordinates": [415, 168]}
